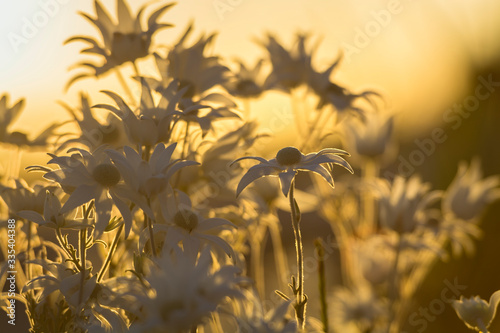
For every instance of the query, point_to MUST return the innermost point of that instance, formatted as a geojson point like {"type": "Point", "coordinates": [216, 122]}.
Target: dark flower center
{"type": "Point", "coordinates": [186, 219]}
{"type": "Point", "coordinates": [106, 174]}
{"type": "Point", "coordinates": [288, 156]}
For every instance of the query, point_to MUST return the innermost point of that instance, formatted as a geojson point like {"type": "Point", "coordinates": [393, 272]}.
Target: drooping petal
{"type": "Point", "coordinates": [254, 173]}
{"type": "Point", "coordinates": [125, 211]}
{"type": "Point", "coordinates": [320, 170]}
{"type": "Point", "coordinates": [32, 216]}
{"type": "Point", "coordinates": [328, 158]}
{"type": "Point", "coordinates": [82, 194]}
{"type": "Point", "coordinates": [286, 179]}
{"type": "Point", "coordinates": [213, 223]}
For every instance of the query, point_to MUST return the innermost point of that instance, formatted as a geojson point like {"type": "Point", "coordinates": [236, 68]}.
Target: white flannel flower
{"type": "Point", "coordinates": [87, 176]}
{"type": "Point", "coordinates": [184, 225]}
{"type": "Point", "coordinates": [288, 162]}
{"type": "Point", "coordinates": [358, 310]}
{"type": "Point", "coordinates": [404, 203]}
{"type": "Point", "coordinates": [184, 293]}
{"type": "Point", "coordinates": [468, 194]}
{"type": "Point", "coordinates": [52, 216]}
{"type": "Point", "coordinates": [147, 178]}
{"type": "Point", "coordinates": [372, 137]}
{"type": "Point", "coordinates": [151, 122]}
{"type": "Point", "coordinates": [476, 313]}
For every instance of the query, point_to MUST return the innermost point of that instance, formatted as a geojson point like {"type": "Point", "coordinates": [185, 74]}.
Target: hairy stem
{"type": "Point", "coordinates": [300, 306]}
{"type": "Point", "coordinates": [112, 249]}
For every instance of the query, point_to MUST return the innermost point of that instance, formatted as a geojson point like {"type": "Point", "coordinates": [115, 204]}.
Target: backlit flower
{"type": "Point", "coordinates": [246, 83]}
{"type": "Point", "coordinates": [121, 42]}
{"type": "Point", "coordinates": [184, 293]}
{"type": "Point", "coordinates": [288, 162]}
{"type": "Point", "coordinates": [469, 193]}
{"type": "Point", "coordinates": [476, 313]}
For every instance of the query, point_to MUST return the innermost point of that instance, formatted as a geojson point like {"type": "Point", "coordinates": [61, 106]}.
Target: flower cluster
{"type": "Point", "coordinates": [149, 215]}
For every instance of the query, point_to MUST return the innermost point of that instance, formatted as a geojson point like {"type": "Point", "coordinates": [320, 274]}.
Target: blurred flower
{"type": "Point", "coordinates": [87, 176]}
{"type": "Point", "coordinates": [93, 133]}
{"type": "Point", "coordinates": [370, 138]}
{"type": "Point", "coordinates": [52, 216]}
{"type": "Point", "coordinates": [251, 317]}
{"type": "Point", "coordinates": [246, 82]}
{"type": "Point", "coordinates": [340, 98]}
{"type": "Point", "coordinates": [288, 162]}
{"type": "Point", "coordinates": [404, 203]}
{"type": "Point", "coordinates": [147, 178]}
{"type": "Point", "coordinates": [290, 68]}
{"type": "Point", "coordinates": [184, 293]}
{"type": "Point", "coordinates": [190, 66]}
{"type": "Point", "coordinates": [183, 224]}
{"type": "Point", "coordinates": [62, 277]}
{"type": "Point", "coordinates": [122, 42]}
{"type": "Point", "coordinates": [22, 197]}
{"type": "Point", "coordinates": [357, 310]}
{"type": "Point", "coordinates": [152, 123]}
{"type": "Point", "coordinates": [8, 115]}
{"type": "Point", "coordinates": [468, 194]}
{"type": "Point", "coordinates": [476, 313]}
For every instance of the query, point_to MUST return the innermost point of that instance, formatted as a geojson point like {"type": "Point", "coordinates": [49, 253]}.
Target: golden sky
{"type": "Point", "coordinates": [416, 52]}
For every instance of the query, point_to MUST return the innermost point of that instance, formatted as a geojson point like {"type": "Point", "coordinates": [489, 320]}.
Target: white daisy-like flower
{"type": "Point", "coordinates": [476, 313]}
{"type": "Point", "coordinates": [372, 137]}
{"type": "Point", "coordinates": [184, 293]}
{"type": "Point", "coordinates": [151, 122]}
{"type": "Point", "coordinates": [87, 177]}
{"type": "Point", "coordinates": [185, 225]}
{"type": "Point", "coordinates": [252, 318]}
{"type": "Point", "coordinates": [94, 132]}
{"type": "Point", "coordinates": [147, 178]}
{"type": "Point", "coordinates": [469, 193]}
{"type": "Point", "coordinates": [404, 204]}
{"type": "Point", "coordinates": [23, 197]}
{"type": "Point", "coordinates": [52, 216]}
{"type": "Point", "coordinates": [357, 310]}
{"type": "Point", "coordinates": [125, 41]}
{"type": "Point", "coordinates": [288, 162]}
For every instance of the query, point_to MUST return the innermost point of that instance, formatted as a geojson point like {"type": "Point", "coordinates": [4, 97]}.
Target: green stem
{"type": "Point", "coordinates": [370, 171]}
{"type": "Point", "coordinates": [149, 223]}
{"type": "Point", "coordinates": [300, 306]}
{"type": "Point", "coordinates": [394, 289]}
{"type": "Point", "coordinates": [322, 283]}
{"type": "Point", "coordinates": [183, 154]}
{"type": "Point", "coordinates": [111, 252]}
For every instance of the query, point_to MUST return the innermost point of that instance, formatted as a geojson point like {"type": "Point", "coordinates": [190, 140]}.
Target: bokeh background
{"type": "Point", "coordinates": [426, 57]}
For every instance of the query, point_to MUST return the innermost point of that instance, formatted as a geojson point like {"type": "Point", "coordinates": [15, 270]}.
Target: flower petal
{"type": "Point", "coordinates": [320, 170]}
{"type": "Point", "coordinates": [82, 194]}
{"type": "Point", "coordinates": [212, 223]}
{"type": "Point", "coordinates": [254, 173]}
{"type": "Point", "coordinates": [286, 179]}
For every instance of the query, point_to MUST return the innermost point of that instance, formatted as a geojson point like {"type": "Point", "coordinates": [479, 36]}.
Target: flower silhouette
{"type": "Point", "coordinates": [125, 41]}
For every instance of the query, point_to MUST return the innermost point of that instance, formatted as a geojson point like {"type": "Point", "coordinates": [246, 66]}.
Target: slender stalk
{"type": "Point", "coordinates": [148, 221]}
{"type": "Point", "coordinates": [279, 253]}
{"type": "Point", "coordinates": [83, 255]}
{"type": "Point", "coordinates": [394, 289]}
{"type": "Point", "coordinates": [83, 250]}
{"type": "Point", "coordinates": [370, 171]}
{"type": "Point", "coordinates": [300, 306]}
{"type": "Point", "coordinates": [112, 249]}
{"type": "Point", "coordinates": [257, 260]}
{"type": "Point", "coordinates": [29, 274]}
{"type": "Point", "coordinates": [320, 250]}
{"type": "Point", "coordinates": [183, 154]}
